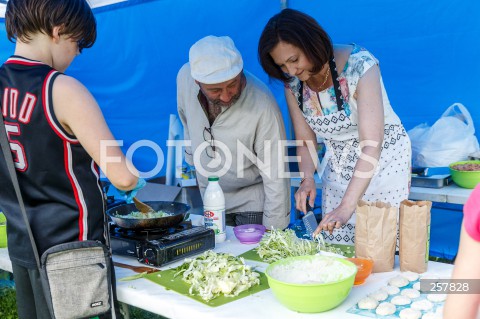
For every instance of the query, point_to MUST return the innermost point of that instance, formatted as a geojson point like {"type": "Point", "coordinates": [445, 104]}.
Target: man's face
{"type": "Point", "coordinates": [225, 93]}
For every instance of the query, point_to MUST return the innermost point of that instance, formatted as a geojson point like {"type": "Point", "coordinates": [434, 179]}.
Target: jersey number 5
{"type": "Point", "coordinates": [17, 149]}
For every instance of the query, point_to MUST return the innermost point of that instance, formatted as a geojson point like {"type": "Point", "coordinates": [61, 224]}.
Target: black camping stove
{"type": "Point", "coordinates": [158, 247]}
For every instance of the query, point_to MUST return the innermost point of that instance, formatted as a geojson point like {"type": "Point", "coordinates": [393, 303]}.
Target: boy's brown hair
{"type": "Point", "coordinates": [24, 18]}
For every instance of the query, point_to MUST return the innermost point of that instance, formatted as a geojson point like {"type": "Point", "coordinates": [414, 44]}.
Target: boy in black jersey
{"type": "Point", "coordinates": [55, 129]}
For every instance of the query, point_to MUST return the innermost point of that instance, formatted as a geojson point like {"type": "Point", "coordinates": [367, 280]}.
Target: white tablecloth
{"type": "Point", "coordinates": [147, 295]}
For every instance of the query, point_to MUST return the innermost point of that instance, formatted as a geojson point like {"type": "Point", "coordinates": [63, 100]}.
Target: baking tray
{"type": "Point", "coordinates": [434, 181]}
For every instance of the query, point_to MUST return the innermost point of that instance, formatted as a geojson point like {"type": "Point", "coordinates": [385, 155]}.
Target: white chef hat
{"type": "Point", "coordinates": [215, 60]}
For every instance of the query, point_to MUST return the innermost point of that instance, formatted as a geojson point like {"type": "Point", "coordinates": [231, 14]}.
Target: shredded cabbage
{"type": "Point", "coordinates": [279, 244]}
{"type": "Point", "coordinates": [212, 274]}
{"type": "Point", "coordinates": [314, 271]}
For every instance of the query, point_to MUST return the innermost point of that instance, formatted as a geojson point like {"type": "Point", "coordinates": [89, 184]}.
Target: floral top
{"type": "Point", "coordinates": [324, 102]}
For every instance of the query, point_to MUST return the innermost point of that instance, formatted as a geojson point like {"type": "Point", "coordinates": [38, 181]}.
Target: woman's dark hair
{"type": "Point", "coordinates": [300, 30]}
{"type": "Point", "coordinates": [24, 18]}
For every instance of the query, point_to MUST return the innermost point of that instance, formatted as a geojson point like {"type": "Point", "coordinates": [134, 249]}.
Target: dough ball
{"type": "Point", "coordinates": [399, 281]}
{"type": "Point", "coordinates": [416, 286]}
{"type": "Point", "coordinates": [410, 293]}
{"type": "Point", "coordinates": [422, 305]}
{"type": "Point", "coordinates": [432, 315]}
{"type": "Point", "coordinates": [401, 300]}
{"type": "Point", "coordinates": [430, 276]}
{"type": "Point", "coordinates": [367, 303]}
{"type": "Point", "coordinates": [437, 297]}
{"type": "Point", "coordinates": [391, 290]}
{"type": "Point", "coordinates": [439, 311]}
{"type": "Point", "coordinates": [385, 309]}
{"type": "Point", "coordinates": [409, 313]}
{"type": "Point", "coordinates": [410, 275]}
{"type": "Point", "coordinates": [379, 295]}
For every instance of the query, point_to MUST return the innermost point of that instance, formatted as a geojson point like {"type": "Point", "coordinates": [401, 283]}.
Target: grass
{"type": "Point", "coordinates": [137, 313]}
{"type": "Point", "coordinates": [8, 303]}
{"type": "Point", "coordinates": [441, 260]}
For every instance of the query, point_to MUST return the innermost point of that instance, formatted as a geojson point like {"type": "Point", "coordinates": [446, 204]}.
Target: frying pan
{"type": "Point", "coordinates": [177, 211]}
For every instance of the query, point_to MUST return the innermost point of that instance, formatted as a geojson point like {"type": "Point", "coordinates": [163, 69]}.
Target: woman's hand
{"type": "Point", "coordinates": [306, 191]}
{"type": "Point", "coordinates": [335, 219]}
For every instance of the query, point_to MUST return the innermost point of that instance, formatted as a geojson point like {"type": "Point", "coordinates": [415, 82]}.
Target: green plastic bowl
{"type": "Point", "coordinates": [311, 297]}
{"type": "Point", "coordinates": [465, 179]}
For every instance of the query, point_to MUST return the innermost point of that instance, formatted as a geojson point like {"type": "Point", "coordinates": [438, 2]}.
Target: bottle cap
{"type": "Point", "coordinates": [213, 178]}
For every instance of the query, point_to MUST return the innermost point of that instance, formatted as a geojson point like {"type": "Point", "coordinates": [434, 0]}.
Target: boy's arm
{"type": "Point", "coordinates": [79, 114]}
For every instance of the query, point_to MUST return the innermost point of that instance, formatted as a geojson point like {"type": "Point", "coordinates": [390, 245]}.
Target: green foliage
{"type": "Point", "coordinates": [136, 313]}
{"type": "Point", "coordinates": [8, 303]}
{"type": "Point", "coordinates": [5, 275]}
{"type": "Point", "coordinates": [441, 260]}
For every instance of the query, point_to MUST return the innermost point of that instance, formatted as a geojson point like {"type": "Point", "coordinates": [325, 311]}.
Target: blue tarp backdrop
{"type": "Point", "coordinates": [428, 52]}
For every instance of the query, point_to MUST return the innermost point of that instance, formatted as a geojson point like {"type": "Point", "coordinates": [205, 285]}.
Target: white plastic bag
{"type": "Point", "coordinates": [450, 139]}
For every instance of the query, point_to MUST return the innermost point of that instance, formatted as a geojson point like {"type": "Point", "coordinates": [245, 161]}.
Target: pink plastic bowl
{"type": "Point", "coordinates": [250, 233]}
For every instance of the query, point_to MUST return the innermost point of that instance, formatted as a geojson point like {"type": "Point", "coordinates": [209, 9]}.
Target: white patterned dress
{"type": "Point", "coordinates": [339, 129]}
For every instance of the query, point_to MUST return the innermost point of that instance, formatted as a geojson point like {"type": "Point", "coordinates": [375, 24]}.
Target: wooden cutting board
{"type": "Point", "coordinates": [166, 279]}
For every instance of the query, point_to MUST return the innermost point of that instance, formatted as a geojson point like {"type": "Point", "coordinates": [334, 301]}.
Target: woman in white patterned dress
{"type": "Point", "coordinates": [369, 152]}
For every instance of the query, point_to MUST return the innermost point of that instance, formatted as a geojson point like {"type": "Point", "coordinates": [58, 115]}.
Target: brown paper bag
{"type": "Point", "coordinates": [414, 235]}
{"type": "Point", "coordinates": [376, 234]}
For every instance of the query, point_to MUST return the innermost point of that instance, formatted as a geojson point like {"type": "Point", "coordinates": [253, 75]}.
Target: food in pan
{"type": "Point", "coordinates": [140, 215]}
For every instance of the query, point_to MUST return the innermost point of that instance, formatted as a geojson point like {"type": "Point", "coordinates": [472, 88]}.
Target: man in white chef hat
{"type": "Point", "coordinates": [235, 128]}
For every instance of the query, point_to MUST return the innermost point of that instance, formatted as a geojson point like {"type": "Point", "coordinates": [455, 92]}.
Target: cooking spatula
{"type": "Point", "coordinates": [142, 207]}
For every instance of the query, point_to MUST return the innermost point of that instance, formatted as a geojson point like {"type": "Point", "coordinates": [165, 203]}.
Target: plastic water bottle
{"type": "Point", "coordinates": [214, 209]}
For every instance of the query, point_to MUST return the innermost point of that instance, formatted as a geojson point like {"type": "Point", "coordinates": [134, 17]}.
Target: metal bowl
{"type": "Point", "coordinates": [177, 211]}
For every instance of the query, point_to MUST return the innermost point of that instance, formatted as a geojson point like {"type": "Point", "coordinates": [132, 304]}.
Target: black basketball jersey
{"type": "Point", "coordinates": [58, 179]}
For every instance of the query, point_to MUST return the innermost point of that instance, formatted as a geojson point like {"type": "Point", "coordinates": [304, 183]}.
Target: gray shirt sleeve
{"type": "Point", "coordinates": [181, 87]}
{"type": "Point", "coordinates": [269, 141]}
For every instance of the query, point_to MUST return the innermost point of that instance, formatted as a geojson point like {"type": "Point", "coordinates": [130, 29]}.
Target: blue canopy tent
{"type": "Point", "coordinates": [428, 54]}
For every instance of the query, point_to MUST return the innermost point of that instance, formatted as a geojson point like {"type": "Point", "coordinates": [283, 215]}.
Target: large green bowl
{"type": "Point", "coordinates": [311, 298]}
{"type": "Point", "coordinates": [465, 179]}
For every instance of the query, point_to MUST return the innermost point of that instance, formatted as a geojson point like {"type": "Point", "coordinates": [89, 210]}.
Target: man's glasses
{"type": "Point", "coordinates": [208, 137]}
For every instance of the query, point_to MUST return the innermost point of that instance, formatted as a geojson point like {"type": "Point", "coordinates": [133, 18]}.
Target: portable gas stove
{"type": "Point", "coordinates": [158, 247]}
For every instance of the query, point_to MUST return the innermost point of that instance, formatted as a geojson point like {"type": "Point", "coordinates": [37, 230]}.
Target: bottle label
{"type": "Point", "coordinates": [215, 219]}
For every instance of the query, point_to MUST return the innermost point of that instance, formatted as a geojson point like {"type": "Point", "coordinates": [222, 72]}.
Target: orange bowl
{"type": "Point", "coordinates": [364, 269]}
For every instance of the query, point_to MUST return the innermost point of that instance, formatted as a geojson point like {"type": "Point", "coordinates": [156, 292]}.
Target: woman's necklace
{"type": "Point", "coordinates": [317, 88]}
